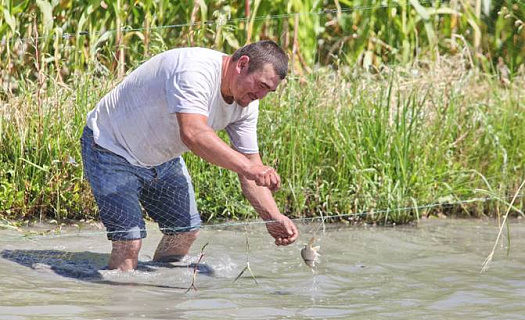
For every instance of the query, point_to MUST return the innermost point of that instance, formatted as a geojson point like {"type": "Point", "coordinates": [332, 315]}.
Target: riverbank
{"type": "Point", "coordinates": [384, 147]}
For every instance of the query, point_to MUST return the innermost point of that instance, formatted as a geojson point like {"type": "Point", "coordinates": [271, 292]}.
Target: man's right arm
{"type": "Point", "coordinates": [200, 138]}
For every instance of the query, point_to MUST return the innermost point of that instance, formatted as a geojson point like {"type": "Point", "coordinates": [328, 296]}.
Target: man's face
{"type": "Point", "coordinates": [255, 85]}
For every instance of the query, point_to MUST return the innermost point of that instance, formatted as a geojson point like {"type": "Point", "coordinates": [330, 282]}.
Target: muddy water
{"type": "Point", "coordinates": [431, 271]}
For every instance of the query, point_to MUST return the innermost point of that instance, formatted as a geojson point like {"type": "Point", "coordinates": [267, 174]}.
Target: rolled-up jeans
{"type": "Point", "coordinates": [124, 192]}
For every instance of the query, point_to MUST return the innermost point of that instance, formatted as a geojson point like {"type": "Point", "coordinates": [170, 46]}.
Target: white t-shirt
{"type": "Point", "coordinates": [137, 119]}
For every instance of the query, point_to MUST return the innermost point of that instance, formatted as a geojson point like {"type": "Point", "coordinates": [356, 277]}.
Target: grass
{"type": "Point", "coordinates": [344, 142]}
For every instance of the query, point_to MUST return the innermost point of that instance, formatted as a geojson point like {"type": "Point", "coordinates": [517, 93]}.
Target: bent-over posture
{"type": "Point", "coordinates": [173, 103]}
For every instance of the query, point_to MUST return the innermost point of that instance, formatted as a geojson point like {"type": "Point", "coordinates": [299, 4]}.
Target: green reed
{"type": "Point", "coordinates": [344, 142]}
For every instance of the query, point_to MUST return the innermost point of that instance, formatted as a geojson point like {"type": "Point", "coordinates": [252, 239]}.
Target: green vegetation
{"type": "Point", "coordinates": [57, 38]}
{"type": "Point", "coordinates": [343, 143]}
{"type": "Point", "coordinates": [387, 106]}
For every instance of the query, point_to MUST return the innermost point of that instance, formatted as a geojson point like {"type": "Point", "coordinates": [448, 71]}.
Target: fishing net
{"type": "Point", "coordinates": [81, 250]}
{"type": "Point", "coordinates": [153, 205]}
{"type": "Point", "coordinates": [161, 213]}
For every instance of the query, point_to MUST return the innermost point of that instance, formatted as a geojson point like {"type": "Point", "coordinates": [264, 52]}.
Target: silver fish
{"type": "Point", "coordinates": [309, 253]}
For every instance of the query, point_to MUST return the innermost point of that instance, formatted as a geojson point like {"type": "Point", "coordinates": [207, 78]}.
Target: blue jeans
{"type": "Point", "coordinates": [124, 191]}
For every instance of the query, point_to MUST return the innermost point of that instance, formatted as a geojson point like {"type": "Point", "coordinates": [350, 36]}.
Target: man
{"type": "Point", "coordinates": [134, 138]}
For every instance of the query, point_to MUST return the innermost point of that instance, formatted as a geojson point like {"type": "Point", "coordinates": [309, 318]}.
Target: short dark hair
{"type": "Point", "coordinates": [261, 53]}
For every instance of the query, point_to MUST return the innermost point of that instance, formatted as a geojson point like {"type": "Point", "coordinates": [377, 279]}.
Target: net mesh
{"type": "Point", "coordinates": [82, 252]}
{"type": "Point", "coordinates": [145, 205]}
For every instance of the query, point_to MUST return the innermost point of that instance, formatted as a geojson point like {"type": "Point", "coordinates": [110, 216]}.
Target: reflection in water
{"type": "Point", "coordinates": [425, 272]}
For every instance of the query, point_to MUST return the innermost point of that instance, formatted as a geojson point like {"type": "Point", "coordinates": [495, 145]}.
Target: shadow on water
{"type": "Point", "coordinates": [90, 266]}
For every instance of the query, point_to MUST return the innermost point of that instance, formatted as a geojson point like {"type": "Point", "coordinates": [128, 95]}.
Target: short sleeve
{"type": "Point", "coordinates": [243, 132]}
{"type": "Point", "coordinates": [189, 92]}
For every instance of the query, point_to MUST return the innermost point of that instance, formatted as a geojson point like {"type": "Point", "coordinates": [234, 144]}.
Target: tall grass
{"type": "Point", "coordinates": [356, 134]}
{"type": "Point", "coordinates": [40, 174]}
{"type": "Point", "coordinates": [343, 141]}
{"type": "Point", "coordinates": [401, 142]}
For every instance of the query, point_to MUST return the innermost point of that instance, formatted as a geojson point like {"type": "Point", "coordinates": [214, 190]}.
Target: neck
{"type": "Point", "coordinates": [226, 79]}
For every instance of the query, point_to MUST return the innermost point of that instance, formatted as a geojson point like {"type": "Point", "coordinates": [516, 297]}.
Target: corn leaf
{"type": "Point", "coordinates": [10, 20]}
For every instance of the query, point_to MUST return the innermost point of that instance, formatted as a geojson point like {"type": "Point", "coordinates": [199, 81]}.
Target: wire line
{"type": "Point", "coordinates": [320, 12]}
{"type": "Point", "coordinates": [324, 217]}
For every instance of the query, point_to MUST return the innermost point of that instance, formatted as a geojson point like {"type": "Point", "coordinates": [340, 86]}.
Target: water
{"type": "Point", "coordinates": [431, 271]}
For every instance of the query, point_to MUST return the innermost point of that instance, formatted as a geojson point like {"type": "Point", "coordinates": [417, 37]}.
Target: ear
{"type": "Point", "coordinates": [242, 64]}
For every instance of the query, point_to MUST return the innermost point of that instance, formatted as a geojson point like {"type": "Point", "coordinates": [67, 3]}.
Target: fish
{"type": "Point", "coordinates": [309, 253]}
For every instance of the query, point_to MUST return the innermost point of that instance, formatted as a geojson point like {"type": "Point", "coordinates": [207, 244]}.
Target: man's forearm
{"type": "Point", "coordinates": [211, 148]}
{"type": "Point", "coordinates": [200, 138]}
{"type": "Point", "coordinates": [260, 198]}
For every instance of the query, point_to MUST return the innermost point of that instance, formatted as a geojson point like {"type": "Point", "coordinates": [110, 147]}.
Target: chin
{"type": "Point", "coordinates": [242, 103]}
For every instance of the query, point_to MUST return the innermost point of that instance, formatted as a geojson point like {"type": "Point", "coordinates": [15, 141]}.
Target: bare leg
{"type": "Point", "coordinates": [125, 255]}
{"type": "Point", "coordinates": [174, 248]}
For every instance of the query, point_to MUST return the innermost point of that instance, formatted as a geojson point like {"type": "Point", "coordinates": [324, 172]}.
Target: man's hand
{"type": "Point", "coordinates": [283, 230]}
{"type": "Point", "coordinates": [257, 182]}
{"type": "Point", "coordinates": [264, 176]}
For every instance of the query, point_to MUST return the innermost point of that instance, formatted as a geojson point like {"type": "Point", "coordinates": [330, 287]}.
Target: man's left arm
{"type": "Point", "coordinates": [280, 227]}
